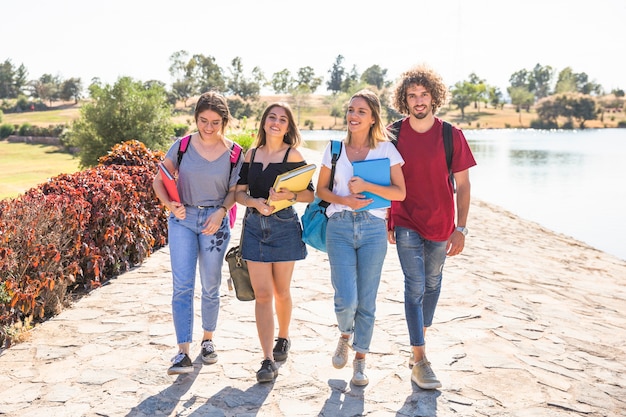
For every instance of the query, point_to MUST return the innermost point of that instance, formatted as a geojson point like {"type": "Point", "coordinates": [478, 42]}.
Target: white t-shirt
{"type": "Point", "coordinates": [343, 173]}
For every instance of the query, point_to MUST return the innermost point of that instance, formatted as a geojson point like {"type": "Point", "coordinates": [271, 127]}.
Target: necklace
{"type": "Point", "coordinates": [359, 151]}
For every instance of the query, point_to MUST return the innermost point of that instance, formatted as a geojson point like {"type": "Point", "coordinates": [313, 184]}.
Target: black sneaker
{"type": "Point", "coordinates": [208, 352]}
{"type": "Point", "coordinates": [281, 349]}
{"type": "Point", "coordinates": [181, 364]}
{"type": "Point", "coordinates": [268, 371]}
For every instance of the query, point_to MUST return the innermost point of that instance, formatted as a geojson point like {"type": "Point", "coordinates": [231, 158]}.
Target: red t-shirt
{"type": "Point", "coordinates": [429, 204]}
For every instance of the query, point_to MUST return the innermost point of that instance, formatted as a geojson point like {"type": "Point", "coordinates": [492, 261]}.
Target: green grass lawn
{"type": "Point", "coordinates": [24, 166]}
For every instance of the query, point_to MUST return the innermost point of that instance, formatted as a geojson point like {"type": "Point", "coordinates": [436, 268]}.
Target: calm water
{"type": "Point", "coordinates": [567, 181]}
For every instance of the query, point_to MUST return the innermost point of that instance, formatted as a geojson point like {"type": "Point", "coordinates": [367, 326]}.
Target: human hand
{"type": "Point", "coordinates": [357, 185]}
{"type": "Point", "coordinates": [456, 243]}
{"type": "Point", "coordinates": [214, 222]}
{"type": "Point", "coordinates": [282, 194]}
{"type": "Point", "coordinates": [178, 210]}
{"type": "Point", "coordinates": [262, 207]}
{"type": "Point", "coordinates": [357, 201]}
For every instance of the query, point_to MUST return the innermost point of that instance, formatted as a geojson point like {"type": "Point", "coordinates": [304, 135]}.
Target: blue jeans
{"type": "Point", "coordinates": [357, 245]}
{"type": "Point", "coordinates": [190, 248]}
{"type": "Point", "coordinates": [422, 264]}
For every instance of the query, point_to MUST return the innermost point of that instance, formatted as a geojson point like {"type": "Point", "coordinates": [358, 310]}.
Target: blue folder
{"type": "Point", "coordinates": [376, 171]}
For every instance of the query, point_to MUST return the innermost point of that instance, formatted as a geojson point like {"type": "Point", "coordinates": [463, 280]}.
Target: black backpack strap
{"type": "Point", "coordinates": [395, 131]}
{"type": "Point", "coordinates": [335, 147]}
{"type": "Point", "coordinates": [182, 148]}
{"type": "Point", "coordinates": [447, 144]}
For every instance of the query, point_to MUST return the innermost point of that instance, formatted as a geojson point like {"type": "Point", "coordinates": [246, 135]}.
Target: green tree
{"type": "Point", "coordinates": [521, 98]}
{"type": "Point", "coordinates": [462, 95]}
{"type": "Point", "coordinates": [47, 87]}
{"type": "Point", "coordinates": [282, 82]}
{"type": "Point", "coordinates": [307, 78]}
{"type": "Point", "coordinates": [351, 80]}
{"type": "Point", "coordinates": [206, 74]}
{"type": "Point", "coordinates": [7, 80]}
{"type": "Point", "coordinates": [541, 80]}
{"type": "Point", "coordinates": [375, 76]}
{"type": "Point", "coordinates": [566, 81]}
{"type": "Point", "coordinates": [128, 110]}
{"type": "Point", "coordinates": [337, 75]}
{"type": "Point", "coordinates": [181, 70]}
{"type": "Point", "coordinates": [239, 85]}
{"type": "Point", "coordinates": [495, 97]}
{"type": "Point", "coordinates": [71, 89]}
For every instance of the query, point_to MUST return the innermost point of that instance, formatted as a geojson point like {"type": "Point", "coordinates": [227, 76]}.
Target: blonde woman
{"type": "Point", "coordinates": [356, 239]}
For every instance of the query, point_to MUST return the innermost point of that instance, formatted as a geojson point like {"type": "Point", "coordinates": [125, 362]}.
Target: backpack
{"type": "Point", "coordinates": [447, 144]}
{"type": "Point", "coordinates": [235, 154]}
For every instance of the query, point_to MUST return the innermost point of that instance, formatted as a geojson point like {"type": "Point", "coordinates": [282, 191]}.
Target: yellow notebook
{"type": "Point", "coordinates": [295, 180]}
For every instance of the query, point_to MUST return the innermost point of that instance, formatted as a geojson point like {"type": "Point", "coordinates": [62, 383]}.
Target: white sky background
{"type": "Point", "coordinates": [493, 38]}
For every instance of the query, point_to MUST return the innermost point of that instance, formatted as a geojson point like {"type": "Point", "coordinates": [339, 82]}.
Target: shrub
{"type": "Point", "coordinates": [6, 130]}
{"type": "Point", "coordinates": [245, 138]}
{"type": "Point", "coordinates": [75, 232]}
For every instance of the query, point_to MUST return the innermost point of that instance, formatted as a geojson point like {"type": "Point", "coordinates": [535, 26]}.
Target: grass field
{"type": "Point", "coordinates": [25, 166]}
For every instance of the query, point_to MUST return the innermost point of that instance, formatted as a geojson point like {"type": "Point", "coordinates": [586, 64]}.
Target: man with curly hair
{"type": "Point", "coordinates": [423, 226]}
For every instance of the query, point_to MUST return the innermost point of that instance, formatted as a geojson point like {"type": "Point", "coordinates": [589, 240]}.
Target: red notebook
{"type": "Point", "coordinates": [170, 183]}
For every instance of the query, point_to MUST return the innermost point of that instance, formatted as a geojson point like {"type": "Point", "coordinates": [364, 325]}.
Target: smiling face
{"type": "Point", "coordinates": [276, 123]}
{"type": "Point", "coordinates": [419, 101]}
{"type": "Point", "coordinates": [359, 116]}
{"type": "Point", "coordinates": [209, 124]}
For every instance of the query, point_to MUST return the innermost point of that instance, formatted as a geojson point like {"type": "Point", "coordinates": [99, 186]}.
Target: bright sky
{"type": "Point", "coordinates": [492, 38]}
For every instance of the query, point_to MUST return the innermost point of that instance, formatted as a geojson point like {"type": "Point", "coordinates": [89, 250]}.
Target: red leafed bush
{"type": "Point", "coordinates": [76, 231]}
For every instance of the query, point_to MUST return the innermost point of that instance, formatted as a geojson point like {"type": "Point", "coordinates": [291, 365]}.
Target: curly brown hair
{"type": "Point", "coordinates": [427, 78]}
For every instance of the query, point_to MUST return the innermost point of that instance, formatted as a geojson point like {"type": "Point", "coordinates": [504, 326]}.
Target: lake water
{"type": "Point", "coordinates": [567, 181]}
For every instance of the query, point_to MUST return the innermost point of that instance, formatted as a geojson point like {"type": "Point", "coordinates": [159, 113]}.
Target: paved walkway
{"type": "Point", "coordinates": [530, 323]}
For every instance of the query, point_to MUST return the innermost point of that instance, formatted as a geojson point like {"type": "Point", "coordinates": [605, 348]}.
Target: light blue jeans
{"type": "Point", "coordinates": [189, 248]}
{"type": "Point", "coordinates": [357, 244]}
{"type": "Point", "coordinates": [422, 263]}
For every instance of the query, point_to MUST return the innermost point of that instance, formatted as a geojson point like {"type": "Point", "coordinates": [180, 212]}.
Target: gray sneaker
{"type": "Point", "coordinates": [208, 352]}
{"type": "Point", "coordinates": [423, 375]}
{"type": "Point", "coordinates": [358, 377]}
{"type": "Point", "coordinates": [340, 358]}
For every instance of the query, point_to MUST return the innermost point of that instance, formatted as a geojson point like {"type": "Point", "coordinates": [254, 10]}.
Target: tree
{"type": "Point", "coordinates": [462, 95]}
{"type": "Point", "coordinates": [479, 93]}
{"type": "Point", "coordinates": [541, 80]}
{"type": "Point", "coordinates": [9, 86]}
{"type": "Point", "coordinates": [128, 110]}
{"type": "Point", "coordinates": [566, 82]}
{"type": "Point", "coordinates": [337, 75]}
{"type": "Point", "coordinates": [307, 78]}
{"type": "Point", "coordinates": [375, 76]}
{"type": "Point", "coordinates": [495, 97]}
{"type": "Point", "coordinates": [282, 82]}
{"type": "Point", "coordinates": [181, 70]}
{"type": "Point", "coordinates": [71, 89]}
{"type": "Point", "coordinates": [241, 86]}
{"type": "Point", "coordinates": [47, 87]}
{"type": "Point", "coordinates": [521, 98]}
{"type": "Point", "coordinates": [206, 74]}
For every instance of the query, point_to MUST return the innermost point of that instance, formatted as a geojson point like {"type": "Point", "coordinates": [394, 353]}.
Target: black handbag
{"type": "Point", "coordinates": [239, 275]}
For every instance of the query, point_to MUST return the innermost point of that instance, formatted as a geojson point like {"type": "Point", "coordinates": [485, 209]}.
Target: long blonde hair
{"type": "Point", "coordinates": [378, 132]}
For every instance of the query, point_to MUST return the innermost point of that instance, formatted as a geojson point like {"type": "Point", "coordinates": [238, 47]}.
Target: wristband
{"type": "Point", "coordinates": [294, 199]}
{"type": "Point", "coordinates": [225, 210]}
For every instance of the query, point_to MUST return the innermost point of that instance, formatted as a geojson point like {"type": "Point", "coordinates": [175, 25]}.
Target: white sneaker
{"type": "Point", "coordinates": [423, 375]}
{"type": "Point", "coordinates": [358, 377]}
{"type": "Point", "coordinates": [340, 358]}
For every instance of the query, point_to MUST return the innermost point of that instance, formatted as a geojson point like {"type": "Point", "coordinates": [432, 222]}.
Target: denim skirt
{"type": "Point", "coordinates": [274, 238]}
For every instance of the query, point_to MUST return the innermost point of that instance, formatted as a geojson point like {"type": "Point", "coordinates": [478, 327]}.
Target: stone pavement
{"type": "Point", "coordinates": [530, 323]}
